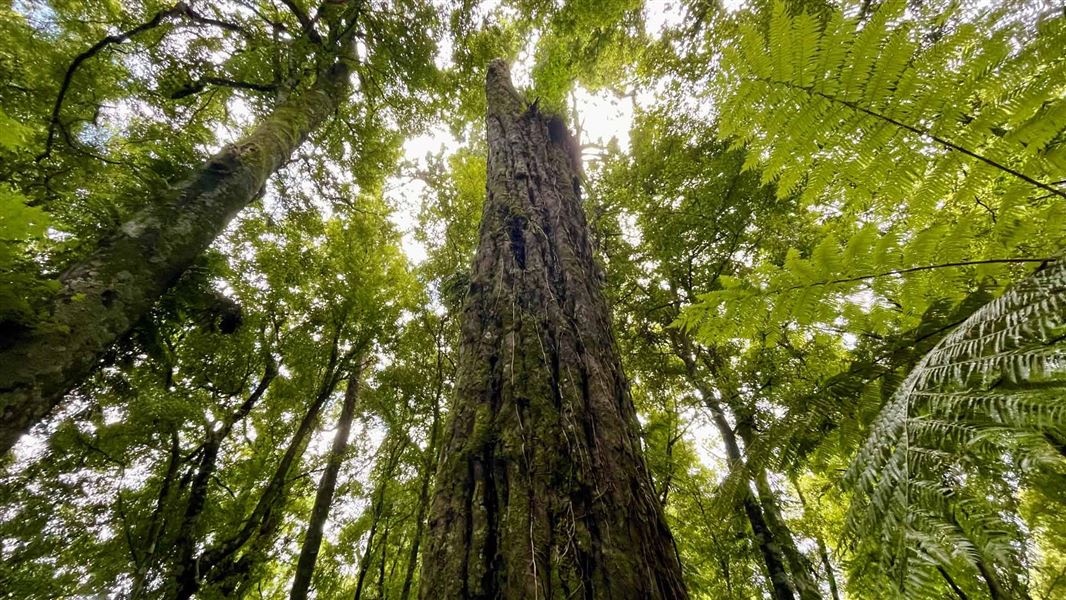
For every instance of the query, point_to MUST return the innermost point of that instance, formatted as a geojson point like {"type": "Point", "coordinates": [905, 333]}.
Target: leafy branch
{"type": "Point", "coordinates": [181, 9]}
{"type": "Point", "coordinates": [855, 106]}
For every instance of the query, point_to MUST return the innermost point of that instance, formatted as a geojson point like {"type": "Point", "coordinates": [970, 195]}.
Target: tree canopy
{"type": "Point", "coordinates": [237, 239]}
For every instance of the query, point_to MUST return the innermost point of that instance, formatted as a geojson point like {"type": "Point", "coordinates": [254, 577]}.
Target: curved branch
{"type": "Point", "coordinates": [306, 22]}
{"type": "Point", "coordinates": [198, 86]}
{"type": "Point", "coordinates": [179, 9]}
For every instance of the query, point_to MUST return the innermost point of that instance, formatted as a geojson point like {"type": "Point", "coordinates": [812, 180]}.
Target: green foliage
{"type": "Point", "coordinates": [834, 236]}
{"type": "Point", "coordinates": [990, 389]}
{"type": "Point", "coordinates": [900, 113]}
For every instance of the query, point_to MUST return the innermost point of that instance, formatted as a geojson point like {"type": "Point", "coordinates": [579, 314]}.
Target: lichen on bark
{"type": "Point", "coordinates": [542, 490]}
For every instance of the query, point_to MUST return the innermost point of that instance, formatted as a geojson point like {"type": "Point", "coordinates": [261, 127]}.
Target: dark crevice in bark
{"type": "Point", "coordinates": [518, 243]}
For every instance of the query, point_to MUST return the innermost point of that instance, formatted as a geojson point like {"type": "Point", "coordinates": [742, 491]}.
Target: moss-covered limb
{"type": "Point", "coordinates": [104, 295]}
{"type": "Point", "coordinates": [542, 488]}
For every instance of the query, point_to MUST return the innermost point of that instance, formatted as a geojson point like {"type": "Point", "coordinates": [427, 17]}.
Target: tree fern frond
{"type": "Point", "coordinates": [988, 389]}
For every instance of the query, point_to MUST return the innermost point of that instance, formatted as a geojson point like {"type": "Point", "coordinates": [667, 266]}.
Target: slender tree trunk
{"type": "Point", "coordinates": [384, 559]}
{"type": "Point", "coordinates": [364, 562]}
{"type": "Point", "coordinates": [769, 547]}
{"type": "Point", "coordinates": [157, 523]}
{"type": "Point", "coordinates": [186, 566]}
{"type": "Point", "coordinates": [412, 558]}
{"type": "Point", "coordinates": [827, 564]}
{"type": "Point", "coordinates": [542, 489]}
{"type": "Point", "coordinates": [800, 567]}
{"type": "Point", "coordinates": [800, 570]}
{"type": "Point", "coordinates": [429, 470]}
{"type": "Point", "coordinates": [951, 584]}
{"type": "Point", "coordinates": [823, 552]}
{"type": "Point", "coordinates": [196, 569]}
{"type": "Point", "coordinates": [995, 589]}
{"type": "Point", "coordinates": [102, 297]}
{"type": "Point", "coordinates": [326, 487]}
{"type": "Point", "coordinates": [377, 510]}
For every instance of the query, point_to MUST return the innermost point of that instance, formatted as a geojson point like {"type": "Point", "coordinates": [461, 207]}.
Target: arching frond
{"type": "Point", "coordinates": [986, 394]}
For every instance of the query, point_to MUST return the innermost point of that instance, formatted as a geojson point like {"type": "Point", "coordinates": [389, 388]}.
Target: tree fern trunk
{"type": "Point", "coordinates": [102, 297]}
{"type": "Point", "coordinates": [542, 490]}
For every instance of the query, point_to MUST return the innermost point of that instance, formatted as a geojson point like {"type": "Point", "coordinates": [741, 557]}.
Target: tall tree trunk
{"type": "Point", "coordinates": [186, 565]}
{"type": "Point", "coordinates": [800, 569]}
{"type": "Point", "coordinates": [384, 559]}
{"type": "Point", "coordinates": [542, 489]}
{"type": "Point", "coordinates": [103, 296]}
{"type": "Point", "coordinates": [326, 487]}
{"type": "Point", "coordinates": [951, 584]}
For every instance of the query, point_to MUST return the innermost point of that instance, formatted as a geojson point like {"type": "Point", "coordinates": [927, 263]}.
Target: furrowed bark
{"type": "Point", "coordinates": [542, 489]}
{"type": "Point", "coordinates": [305, 567]}
{"type": "Point", "coordinates": [103, 296]}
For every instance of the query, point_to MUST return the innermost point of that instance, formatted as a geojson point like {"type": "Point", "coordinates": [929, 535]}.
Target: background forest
{"type": "Point", "coordinates": [831, 234]}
